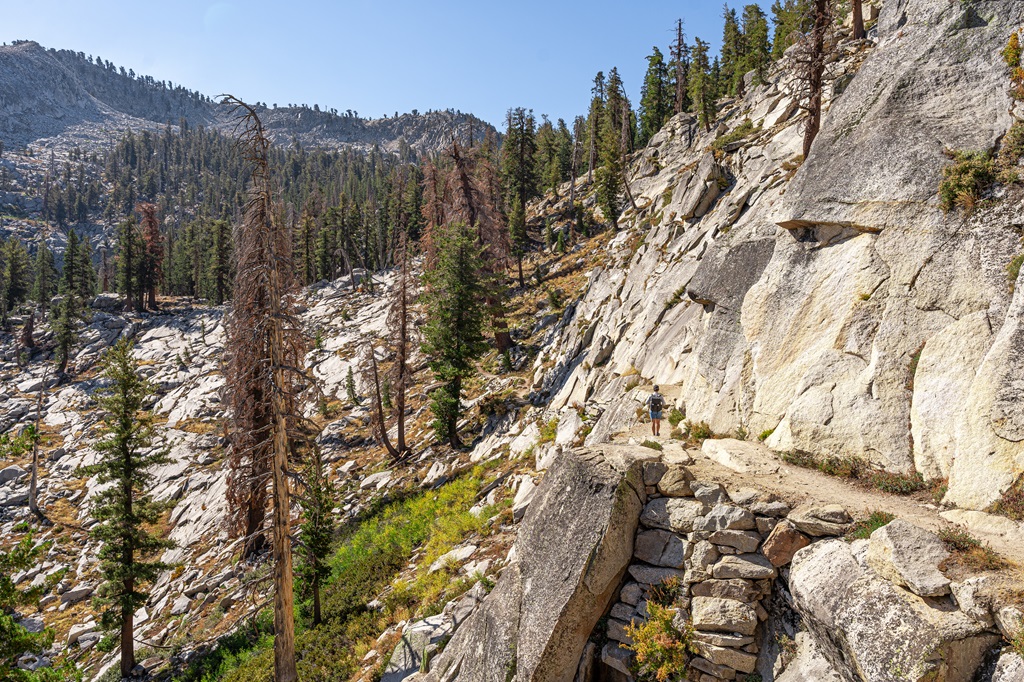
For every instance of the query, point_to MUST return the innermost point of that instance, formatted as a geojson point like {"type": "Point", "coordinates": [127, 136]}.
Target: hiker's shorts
{"type": "Point", "coordinates": [655, 415]}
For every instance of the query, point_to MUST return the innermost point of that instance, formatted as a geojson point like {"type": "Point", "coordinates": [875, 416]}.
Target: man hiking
{"type": "Point", "coordinates": [655, 403]}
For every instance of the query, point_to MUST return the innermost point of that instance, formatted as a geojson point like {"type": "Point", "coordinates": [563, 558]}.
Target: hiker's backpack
{"type": "Point", "coordinates": [657, 402]}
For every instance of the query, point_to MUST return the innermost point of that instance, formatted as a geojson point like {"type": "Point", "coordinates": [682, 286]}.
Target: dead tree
{"type": "Point", "coordinates": [679, 58]}
{"type": "Point", "coordinates": [811, 56]}
{"type": "Point", "coordinates": [371, 375]}
{"type": "Point", "coordinates": [626, 143]}
{"type": "Point", "coordinates": [858, 20]}
{"type": "Point", "coordinates": [262, 382]}
{"type": "Point", "coordinates": [401, 342]}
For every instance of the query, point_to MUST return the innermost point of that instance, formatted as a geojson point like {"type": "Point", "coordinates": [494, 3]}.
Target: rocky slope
{"type": "Point", "coordinates": [58, 99]}
{"type": "Point", "coordinates": [833, 307]}
{"type": "Point", "coordinates": [825, 304]}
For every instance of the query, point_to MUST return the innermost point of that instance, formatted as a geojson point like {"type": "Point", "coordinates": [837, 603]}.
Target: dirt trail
{"type": "Point", "coordinates": [798, 486]}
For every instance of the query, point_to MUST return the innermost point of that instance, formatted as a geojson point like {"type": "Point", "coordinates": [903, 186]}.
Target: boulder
{"type": "Point", "coordinates": [909, 556]}
{"type": "Point", "coordinates": [571, 553]}
{"type": "Point", "coordinates": [1009, 667]}
{"type": "Point", "coordinates": [661, 548]}
{"type": "Point", "coordinates": [830, 519]}
{"type": "Point", "coordinates": [674, 514]}
{"type": "Point", "coordinates": [725, 517]}
{"type": "Point", "coordinates": [80, 630]}
{"type": "Point", "coordinates": [783, 542]}
{"type": "Point", "coordinates": [809, 665]}
{"type": "Point", "coordinates": [676, 482]}
{"type": "Point", "coordinates": [746, 566]}
{"type": "Point", "coordinates": [743, 540]}
{"type": "Point", "coordinates": [419, 639]}
{"type": "Point", "coordinates": [11, 473]}
{"type": "Point", "coordinates": [869, 629]}
{"type": "Point", "coordinates": [524, 496]}
{"type": "Point", "coordinates": [723, 615]}
{"type": "Point", "coordinates": [740, 456]}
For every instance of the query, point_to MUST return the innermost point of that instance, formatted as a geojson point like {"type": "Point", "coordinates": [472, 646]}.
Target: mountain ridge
{"type": "Point", "coordinates": [63, 99]}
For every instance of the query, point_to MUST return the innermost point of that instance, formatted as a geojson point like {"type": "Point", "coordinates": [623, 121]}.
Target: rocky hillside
{"type": "Point", "coordinates": [836, 496]}
{"type": "Point", "coordinates": [59, 99]}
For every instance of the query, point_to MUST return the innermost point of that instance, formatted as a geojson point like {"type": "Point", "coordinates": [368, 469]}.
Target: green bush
{"type": "Point", "coordinates": [662, 651]}
{"type": "Point", "coordinates": [898, 484]}
{"type": "Point", "coordinates": [764, 435]}
{"type": "Point", "coordinates": [652, 444]}
{"type": "Point", "coordinates": [1013, 270]}
{"type": "Point", "coordinates": [699, 431]}
{"type": "Point", "coordinates": [965, 179]}
{"type": "Point", "coordinates": [675, 416]}
{"type": "Point", "coordinates": [863, 529]}
{"type": "Point", "coordinates": [1011, 504]}
{"type": "Point", "coordinates": [744, 130]}
{"type": "Point", "coordinates": [548, 431]}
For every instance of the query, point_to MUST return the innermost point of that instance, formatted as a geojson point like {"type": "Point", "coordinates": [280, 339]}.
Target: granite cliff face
{"type": "Point", "coordinates": [59, 99]}
{"type": "Point", "coordinates": [834, 306]}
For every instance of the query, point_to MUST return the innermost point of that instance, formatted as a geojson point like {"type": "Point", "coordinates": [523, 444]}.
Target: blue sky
{"type": "Point", "coordinates": [375, 57]}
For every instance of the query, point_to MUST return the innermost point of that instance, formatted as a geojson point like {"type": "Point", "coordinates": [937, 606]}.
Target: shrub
{"type": "Point", "coordinates": [1012, 502]}
{"type": "Point", "coordinates": [765, 435]}
{"type": "Point", "coordinates": [662, 650]}
{"type": "Point", "coordinates": [548, 431]}
{"type": "Point", "coordinates": [741, 433]}
{"type": "Point", "coordinates": [899, 484]}
{"type": "Point", "coordinates": [1013, 270]}
{"type": "Point", "coordinates": [744, 130]}
{"type": "Point", "coordinates": [676, 434]}
{"type": "Point", "coordinates": [675, 416]}
{"type": "Point", "coordinates": [965, 179]}
{"type": "Point", "coordinates": [652, 444]}
{"type": "Point", "coordinates": [968, 551]}
{"type": "Point", "coordinates": [863, 529]}
{"type": "Point", "coordinates": [699, 431]}
{"type": "Point", "coordinates": [676, 299]}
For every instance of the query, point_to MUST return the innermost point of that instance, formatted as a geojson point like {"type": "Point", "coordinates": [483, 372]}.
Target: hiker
{"type": "Point", "coordinates": [655, 403]}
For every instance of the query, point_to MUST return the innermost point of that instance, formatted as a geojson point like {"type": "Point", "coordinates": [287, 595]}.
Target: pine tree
{"type": "Point", "coordinates": [400, 329]}
{"type": "Point", "coordinates": [733, 53]}
{"type": "Point", "coordinates": [519, 175]}
{"type": "Point", "coordinates": [453, 334]}
{"type": "Point", "coordinates": [858, 20]}
{"type": "Point", "coordinates": [702, 86]}
{"type": "Point", "coordinates": [129, 263]}
{"type": "Point", "coordinates": [45, 282]}
{"type": "Point", "coordinates": [813, 51]}
{"type": "Point", "coordinates": [655, 101]}
{"type": "Point", "coordinates": [758, 55]}
{"type": "Point", "coordinates": [791, 19]}
{"type": "Point", "coordinates": [220, 260]}
{"type": "Point", "coordinates": [15, 639]}
{"type": "Point", "coordinates": [613, 148]}
{"type": "Point", "coordinates": [15, 276]}
{"type": "Point", "coordinates": [316, 531]}
{"type": "Point", "coordinates": [594, 124]}
{"type": "Point", "coordinates": [124, 510]}
{"type": "Point", "coordinates": [70, 310]}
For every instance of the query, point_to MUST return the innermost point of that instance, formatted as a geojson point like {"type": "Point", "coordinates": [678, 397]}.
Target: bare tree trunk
{"type": "Point", "coordinates": [33, 484]}
{"type": "Point", "coordinates": [625, 154]}
{"type": "Point", "coordinates": [858, 20]}
{"type": "Point", "coordinates": [815, 71]}
{"type": "Point", "coordinates": [26, 332]}
{"type": "Point", "coordinates": [382, 425]}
